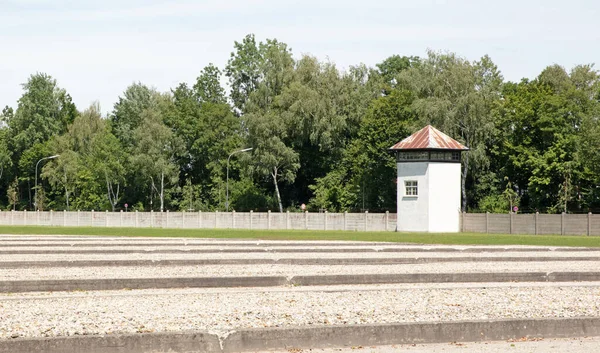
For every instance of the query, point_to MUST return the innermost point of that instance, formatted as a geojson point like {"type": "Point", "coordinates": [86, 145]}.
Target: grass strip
{"type": "Point", "coordinates": [418, 238]}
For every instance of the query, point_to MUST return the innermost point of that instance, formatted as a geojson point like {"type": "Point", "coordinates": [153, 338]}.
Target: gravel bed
{"type": "Point", "coordinates": [287, 270]}
{"type": "Point", "coordinates": [232, 241]}
{"type": "Point", "coordinates": [275, 255]}
{"type": "Point", "coordinates": [254, 246]}
{"type": "Point", "coordinates": [318, 289]}
{"type": "Point", "coordinates": [175, 242]}
{"type": "Point", "coordinates": [221, 312]}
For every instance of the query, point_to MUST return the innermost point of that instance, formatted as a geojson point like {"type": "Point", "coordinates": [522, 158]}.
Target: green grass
{"type": "Point", "coordinates": [420, 238]}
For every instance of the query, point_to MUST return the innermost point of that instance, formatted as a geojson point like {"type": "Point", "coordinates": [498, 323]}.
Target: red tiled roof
{"type": "Point", "coordinates": [428, 138]}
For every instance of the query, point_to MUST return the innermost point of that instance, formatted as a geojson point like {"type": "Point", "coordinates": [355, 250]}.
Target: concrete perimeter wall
{"type": "Point", "coordinates": [238, 220]}
{"type": "Point", "coordinates": [537, 224]}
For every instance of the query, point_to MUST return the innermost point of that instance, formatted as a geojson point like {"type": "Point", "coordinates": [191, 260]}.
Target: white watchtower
{"type": "Point", "coordinates": [429, 182]}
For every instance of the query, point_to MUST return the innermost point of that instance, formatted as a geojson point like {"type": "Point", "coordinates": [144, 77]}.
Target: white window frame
{"type": "Point", "coordinates": [411, 188]}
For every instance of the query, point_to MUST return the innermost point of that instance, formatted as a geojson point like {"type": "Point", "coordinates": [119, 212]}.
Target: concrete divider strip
{"type": "Point", "coordinates": [311, 337]}
{"type": "Point", "coordinates": [273, 281]}
{"type": "Point", "coordinates": [139, 283]}
{"type": "Point", "coordinates": [132, 343]}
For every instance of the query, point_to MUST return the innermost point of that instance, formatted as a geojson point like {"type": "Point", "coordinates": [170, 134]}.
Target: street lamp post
{"type": "Point", "coordinates": [36, 174]}
{"type": "Point", "coordinates": [227, 183]}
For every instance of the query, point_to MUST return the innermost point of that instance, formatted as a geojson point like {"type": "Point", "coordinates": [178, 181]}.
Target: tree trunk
{"type": "Point", "coordinates": [67, 197]}
{"type": "Point", "coordinates": [162, 191]}
{"type": "Point", "coordinates": [112, 196]}
{"type": "Point", "coordinates": [463, 181]}
{"type": "Point", "coordinates": [274, 175]}
{"type": "Point", "coordinates": [66, 191]}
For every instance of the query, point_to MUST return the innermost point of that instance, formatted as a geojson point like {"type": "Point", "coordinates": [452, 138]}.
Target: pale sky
{"type": "Point", "coordinates": [95, 49]}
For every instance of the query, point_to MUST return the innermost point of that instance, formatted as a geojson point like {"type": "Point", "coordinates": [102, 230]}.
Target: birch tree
{"type": "Point", "coordinates": [155, 153]}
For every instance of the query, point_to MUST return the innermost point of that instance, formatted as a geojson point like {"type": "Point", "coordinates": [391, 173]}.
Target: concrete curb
{"type": "Point", "coordinates": [291, 261]}
{"type": "Point", "coordinates": [139, 283]}
{"type": "Point", "coordinates": [310, 337]}
{"type": "Point", "coordinates": [273, 281]}
{"type": "Point", "coordinates": [132, 343]}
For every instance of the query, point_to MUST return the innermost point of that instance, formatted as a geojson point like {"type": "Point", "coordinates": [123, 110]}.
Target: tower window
{"type": "Point", "coordinates": [412, 187]}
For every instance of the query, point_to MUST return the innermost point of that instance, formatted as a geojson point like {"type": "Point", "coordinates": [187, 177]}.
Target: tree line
{"type": "Point", "coordinates": [318, 135]}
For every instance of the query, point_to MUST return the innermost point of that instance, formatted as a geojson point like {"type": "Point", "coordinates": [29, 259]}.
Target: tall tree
{"type": "Point", "coordinates": [44, 110]}
{"type": "Point", "coordinates": [457, 96]}
{"type": "Point", "coordinates": [244, 71]}
{"type": "Point", "coordinates": [127, 113]}
{"type": "Point", "coordinates": [155, 152]}
{"type": "Point", "coordinates": [209, 130]}
{"type": "Point", "coordinates": [271, 156]}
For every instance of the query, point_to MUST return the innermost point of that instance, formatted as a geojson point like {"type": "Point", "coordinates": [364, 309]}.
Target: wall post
{"type": "Point", "coordinates": [487, 222]}
{"type": "Point", "coordinates": [589, 226]}
{"type": "Point", "coordinates": [287, 219]}
{"type": "Point", "coordinates": [345, 214]}
{"type": "Point", "coordinates": [216, 218]}
{"type": "Point", "coordinates": [251, 213]}
{"type": "Point", "coordinates": [305, 219]}
{"type": "Point", "coordinates": [64, 218]}
{"type": "Point", "coordinates": [199, 219]}
{"type": "Point", "coordinates": [78, 219]}
{"type": "Point", "coordinates": [366, 218]}
{"type": "Point", "coordinates": [167, 221]}
{"type": "Point", "coordinates": [269, 219]}
{"type": "Point", "coordinates": [151, 218]}
{"type": "Point", "coordinates": [25, 217]}
{"type": "Point", "coordinates": [233, 219]}
{"type": "Point", "coordinates": [511, 221]}
{"type": "Point", "coordinates": [121, 219]}
{"type": "Point", "coordinates": [106, 218]}
{"type": "Point", "coordinates": [536, 222]}
{"type": "Point", "coordinates": [325, 225]}
{"type": "Point", "coordinates": [462, 222]}
{"type": "Point", "coordinates": [37, 218]}
{"type": "Point", "coordinates": [137, 219]}
{"type": "Point", "coordinates": [50, 217]}
{"type": "Point", "coordinates": [387, 220]}
{"type": "Point", "coordinates": [12, 217]}
{"type": "Point", "coordinates": [562, 223]}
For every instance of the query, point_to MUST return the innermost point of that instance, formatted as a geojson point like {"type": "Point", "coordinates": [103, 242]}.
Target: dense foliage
{"type": "Point", "coordinates": [318, 136]}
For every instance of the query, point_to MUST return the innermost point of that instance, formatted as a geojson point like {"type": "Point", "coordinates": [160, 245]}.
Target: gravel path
{"type": "Point", "coordinates": [89, 314]}
{"type": "Point", "coordinates": [289, 270]}
{"type": "Point", "coordinates": [270, 247]}
{"type": "Point", "coordinates": [270, 255]}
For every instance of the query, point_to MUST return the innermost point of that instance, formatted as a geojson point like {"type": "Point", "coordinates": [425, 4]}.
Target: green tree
{"type": "Point", "coordinates": [208, 86]}
{"type": "Point", "coordinates": [244, 71]}
{"type": "Point", "coordinates": [458, 97]}
{"type": "Point", "coordinates": [208, 129]}
{"type": "Point", "coordinates": [13, 194]}
{"type": "Point", "coordinates": [44, 110]}
{"type": "Point", "coordinates": [155, 152]}
{"type": "Point", "coordinates": [548, 130]}
{"type": "Point", "coordinates": [271, 156]}
{"type": "Point", "coordinates": [127, 113]}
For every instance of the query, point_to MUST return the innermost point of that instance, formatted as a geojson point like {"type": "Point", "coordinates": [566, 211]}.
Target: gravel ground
{"type": "Point", "coordinates": [221, 312]}
{"type": "Point", "coordinates": [271, 247]}
{"type": "Point", "coordinates": [270, 255]}
{"type": "Point", "coordinates": [534, 345]}
{"type": "Point", "coordinates": [288, 270]}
